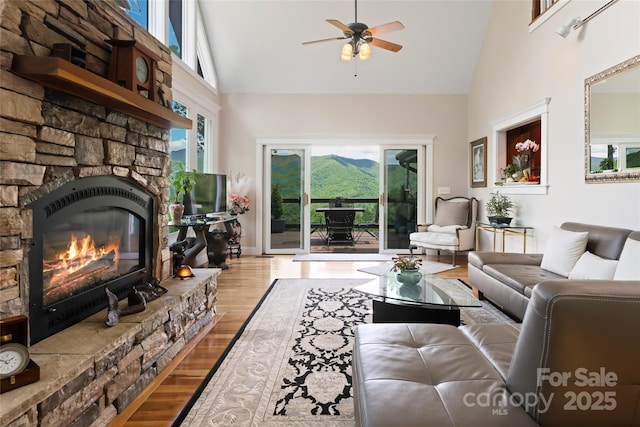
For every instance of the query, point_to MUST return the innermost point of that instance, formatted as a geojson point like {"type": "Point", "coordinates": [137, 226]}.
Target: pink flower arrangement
{"type": "Point", "coordinates": [521, 161]}
{"type": "Point", "coordinates": [238, 204]}
{"type": "Point", "coordinates": [527, 145]}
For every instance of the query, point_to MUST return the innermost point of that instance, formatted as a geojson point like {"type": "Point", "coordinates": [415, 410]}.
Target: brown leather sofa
{"type": "Point", "coordinates": [507, 279]}
{"type": "Point", "coordinates": [572, 362]}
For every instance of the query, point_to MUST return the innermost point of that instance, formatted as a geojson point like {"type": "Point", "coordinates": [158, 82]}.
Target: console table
{"type": "Point", "coordinates": [215, 240]}
{"type": "Point", "coordinates": [503, 229]}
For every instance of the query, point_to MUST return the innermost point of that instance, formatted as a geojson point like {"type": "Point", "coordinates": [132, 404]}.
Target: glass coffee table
{"type": "Point", "coordinates": [432, 300]}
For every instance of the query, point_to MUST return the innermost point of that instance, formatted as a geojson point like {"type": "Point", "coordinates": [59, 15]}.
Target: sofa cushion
{"type": "Point", "coordinates": [592, 267]}
{"type": "Point", "coordinates": [452, 212]}
{"type": "Point", "coordinates": [450, 229]}
{"type": "Point", "coordinates": [481, 258]}
{"type": "Point", "coordinates": [424, 374]}
{"type": "Point", "coordinates": [563, 250]}
{"type": "Point", "coordinates": [437, 239]}
{"type": "Point", "coordinates": [519, 277]}
{"type": "Point", "coordinates": [628, 266]}
{"type": "Point", "coordinates": [496, 342]}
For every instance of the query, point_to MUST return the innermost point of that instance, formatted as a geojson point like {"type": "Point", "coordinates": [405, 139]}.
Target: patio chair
{"type": "Point", "coordinates": [340, 227]}
{"type": "Point", "coordinates": [366, 226]}
{"type": "Point", "coordinates": [454, 227]}
{"type": "Point", "coordinates": [320, 228]}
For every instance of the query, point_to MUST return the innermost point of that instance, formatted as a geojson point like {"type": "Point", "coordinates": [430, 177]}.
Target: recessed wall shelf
{"type": "Point", "coordinates": [538, 111]}
{"type": "Point", "coordinates": [66, 77]}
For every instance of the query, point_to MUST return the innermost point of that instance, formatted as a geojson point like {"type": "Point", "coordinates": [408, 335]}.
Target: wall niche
{"type": "Point", "coordinates": [529, 123]}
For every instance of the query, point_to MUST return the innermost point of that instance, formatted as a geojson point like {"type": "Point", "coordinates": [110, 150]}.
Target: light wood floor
{"type": "Point", "coordinates": [239, 289]}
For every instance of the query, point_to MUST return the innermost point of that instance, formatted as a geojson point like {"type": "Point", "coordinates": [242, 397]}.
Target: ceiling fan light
{"type": "Point", "coordinates": [365, 51]}
{"type": "Point", "coordinates": [347, 52]}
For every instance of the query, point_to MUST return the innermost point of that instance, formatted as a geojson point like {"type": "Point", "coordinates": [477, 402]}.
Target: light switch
{"type": "Point", "coordinates": [444, 190]}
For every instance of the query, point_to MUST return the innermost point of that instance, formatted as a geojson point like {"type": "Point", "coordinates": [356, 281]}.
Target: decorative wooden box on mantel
{"type": "Point", "coordinates": [14, 330]}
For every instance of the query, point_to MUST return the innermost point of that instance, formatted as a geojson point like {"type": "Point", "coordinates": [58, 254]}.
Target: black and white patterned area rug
{"type": "Point", "coordinates": [291, 363]}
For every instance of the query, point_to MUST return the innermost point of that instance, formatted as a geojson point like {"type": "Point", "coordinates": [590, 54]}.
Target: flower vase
{"type": "Point", "coordinates": [409, 277]}
{"type": "Point", "coordinates": [175, 211]}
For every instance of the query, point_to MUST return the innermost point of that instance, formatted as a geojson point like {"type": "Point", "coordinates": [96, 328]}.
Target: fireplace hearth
{"type": "Point", "coordinates": [88, 235]}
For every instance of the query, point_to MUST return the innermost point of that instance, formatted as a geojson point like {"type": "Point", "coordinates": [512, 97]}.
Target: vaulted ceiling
{"type": "Point", "coordinates": [257, 46]}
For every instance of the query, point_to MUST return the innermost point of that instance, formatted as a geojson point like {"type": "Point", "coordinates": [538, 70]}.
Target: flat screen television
{"type": "Point", "coordinates": [208, 195]}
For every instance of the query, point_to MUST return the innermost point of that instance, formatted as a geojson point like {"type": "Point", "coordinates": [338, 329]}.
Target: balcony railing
{"type": "Point", "coordinates": [292, 209]}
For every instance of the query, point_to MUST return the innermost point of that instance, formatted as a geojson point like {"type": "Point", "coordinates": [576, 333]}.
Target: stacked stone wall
{"type": "Point", "coordinates": [48, 138]}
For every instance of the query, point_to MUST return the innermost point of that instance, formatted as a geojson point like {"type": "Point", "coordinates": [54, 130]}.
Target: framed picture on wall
{"type": "Point", "coordinates": [478, 162]}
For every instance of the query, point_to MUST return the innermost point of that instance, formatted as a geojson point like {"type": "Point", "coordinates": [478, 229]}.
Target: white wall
{"type": "Point", "coordinates": [243, 118]}
{"type": "Point", "coordinates": [516, 68]}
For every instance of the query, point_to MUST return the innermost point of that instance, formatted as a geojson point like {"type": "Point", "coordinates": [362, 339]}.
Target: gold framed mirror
{"type": "Point", "coordinates": [612, 123]}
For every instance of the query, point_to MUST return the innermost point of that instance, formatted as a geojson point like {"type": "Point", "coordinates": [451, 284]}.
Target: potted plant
{"type": "Point", "coordinates": [408, 269]}
{"type": "Point", "coordinates": [277, 223]}
{"type": "Point", "coordinates": [182, 181]}
{"type": "Point", "coordinates": [508, 172]}
{"type": "Point", "coordinates": [498, 209]}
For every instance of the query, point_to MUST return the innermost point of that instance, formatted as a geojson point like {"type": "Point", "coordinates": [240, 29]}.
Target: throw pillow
{"type": "Point", "coordinates": [593, 267]}
{"type": "Point", "coordinates": [563, 250]}
{"type": "Point", "coordinates": [452, 213]}
{"type": "Point", "coordinates": [628, 265]}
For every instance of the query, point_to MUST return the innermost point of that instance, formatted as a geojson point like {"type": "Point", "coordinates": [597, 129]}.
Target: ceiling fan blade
{"type": "Point", "coordinates": [385, 45]}
{"type": "Point", "coordinates": [386, 28]}
{"type": "Point", "coordinates": [340, 26]}
{"type": "Point", "coordinates": [324, 40]}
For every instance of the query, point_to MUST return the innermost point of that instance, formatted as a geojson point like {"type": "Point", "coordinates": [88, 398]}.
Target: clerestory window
{"type": "Point", "coordinates": [179, 25]}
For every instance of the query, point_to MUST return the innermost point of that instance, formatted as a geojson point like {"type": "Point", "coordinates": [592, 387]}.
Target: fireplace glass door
{"type": "Point", "coordinates": [89, 235]}
{"type": "Point", "coordinates": [89, 248]}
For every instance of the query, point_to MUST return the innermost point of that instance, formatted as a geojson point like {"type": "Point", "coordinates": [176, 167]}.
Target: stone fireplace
{"type": "Point", "coordinates": [51, 139]}
{"type": "Point", "coordinates": [89, 235]}
{"type": "Point", "coordinates": [74, 172]}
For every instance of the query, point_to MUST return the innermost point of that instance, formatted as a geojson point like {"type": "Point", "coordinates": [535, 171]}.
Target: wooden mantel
{"type": "Point", "coordinates": [64, 76]}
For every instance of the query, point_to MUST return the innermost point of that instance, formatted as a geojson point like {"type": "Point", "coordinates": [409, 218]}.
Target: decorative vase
{"type": "Point", "coordinates": [176, 210]}
{"type": "Point", "coordinates": [409, 277]}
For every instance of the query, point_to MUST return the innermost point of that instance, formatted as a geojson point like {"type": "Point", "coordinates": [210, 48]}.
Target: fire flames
{"type": "Point", "coordinates": [82, 263]}
{"type": "Point", "coordinates": [80, 255]}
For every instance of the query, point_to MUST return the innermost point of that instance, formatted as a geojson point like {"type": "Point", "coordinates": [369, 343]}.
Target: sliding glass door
{"type": "Point", "coordinates": [398, 169]}
{"type": "Point", "coordinates": [402, 187]}
{"type": "Point", "coordinates": [286, 194]}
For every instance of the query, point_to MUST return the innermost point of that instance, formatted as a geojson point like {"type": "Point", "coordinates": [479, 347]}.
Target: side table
{"type": "Point", "coordinates": [503, 229]}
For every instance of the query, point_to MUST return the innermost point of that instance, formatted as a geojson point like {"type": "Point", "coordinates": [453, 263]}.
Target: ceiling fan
{"type": "Point", "coordinates": [359, 36]}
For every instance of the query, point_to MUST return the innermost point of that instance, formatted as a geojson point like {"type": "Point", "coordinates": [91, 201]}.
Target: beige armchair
{"type": "Point", "coordinates": [453, 229]}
